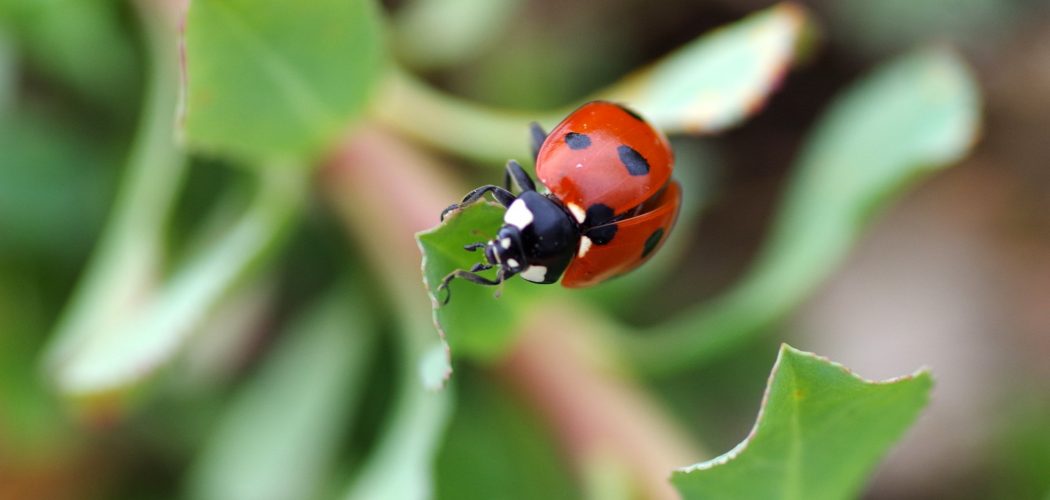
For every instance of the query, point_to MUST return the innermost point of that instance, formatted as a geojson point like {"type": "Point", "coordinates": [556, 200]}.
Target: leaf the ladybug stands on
{"type": "Point", "coordinates": [475, 322]}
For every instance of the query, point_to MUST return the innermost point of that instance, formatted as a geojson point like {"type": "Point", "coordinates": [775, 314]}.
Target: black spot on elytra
{"type": "Point", "coordinates": [599, 218]}
{"type": "Point", "coordinates": [598, 214]}
{"type": "Point", "coordinates": [631, 112]}
{"type": "Point", "coordinates": [633, 160]}
{"type": "Point", "coordinates": [652, 241]}
{"type": "Point", "coordinates": [602, 235]}
{"type": "Point", "coordinates": [577, 141]}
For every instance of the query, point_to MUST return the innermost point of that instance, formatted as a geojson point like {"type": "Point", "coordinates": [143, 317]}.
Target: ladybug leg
{"type": "Point", "coordinates": [519, 176]}
{"type": "Point", "coordinates": [469, 276]}
{"type": "Point", "coordinates": [474, 246]}
{"type": "Point", "coordinates": [503, 196]}
{"type": "Point", "coordinates": [538, 137]}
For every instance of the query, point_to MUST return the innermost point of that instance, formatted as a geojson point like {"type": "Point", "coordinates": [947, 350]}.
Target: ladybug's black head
{"type": "Point", "coordinates": [505, 250]}
{"type": "Point", "coordinates": [538, 239]}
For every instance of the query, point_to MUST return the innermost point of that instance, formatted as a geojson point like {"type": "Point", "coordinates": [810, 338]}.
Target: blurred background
{"type": "Point", "coordinates": [954, 276]}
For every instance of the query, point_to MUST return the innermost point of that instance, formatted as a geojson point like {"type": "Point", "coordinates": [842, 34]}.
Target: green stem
{"type": "Point", "coordinates": [484, 134]}
{"type": "Point", "coordinates": [124, 267]}
{"type": "Point", "coordinates": [117, 358]}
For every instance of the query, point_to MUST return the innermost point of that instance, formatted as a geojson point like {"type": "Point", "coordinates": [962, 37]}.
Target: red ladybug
{"type": "Point", "coordinates": [611, 204]}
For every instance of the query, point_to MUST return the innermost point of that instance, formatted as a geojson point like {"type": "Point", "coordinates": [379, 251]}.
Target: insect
{"type": "Point", "coordinates": [611, 202]}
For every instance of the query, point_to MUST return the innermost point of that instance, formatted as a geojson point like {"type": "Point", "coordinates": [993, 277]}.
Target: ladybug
{"type": "Point", "coordinates": [611, 202]}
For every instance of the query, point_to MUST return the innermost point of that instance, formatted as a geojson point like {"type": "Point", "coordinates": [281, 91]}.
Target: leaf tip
{"type": "Point", "coordinates": [810, 401]}
{"type": "Point", "coordinates": [435, 366]}
{"type": "Point", "coordinates": [948, 76]}
{"type": "Point", "coordinates": [794, 12]}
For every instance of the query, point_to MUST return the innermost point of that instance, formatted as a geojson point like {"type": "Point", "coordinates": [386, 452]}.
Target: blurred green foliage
{"type": "Point", "coordinates": [311, 69]}
{"type": "Point", "coordinates": [303, 423]}
{"type": "Point", "coordinates": [489, 422]}
{"type": "Point", "coordinates": [152, 344]}
{"type": "Point", "coordinates": [52, 35]}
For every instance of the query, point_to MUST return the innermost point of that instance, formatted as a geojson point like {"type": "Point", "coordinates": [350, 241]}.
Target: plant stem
{"type": "Point", "coordinates": [115, 359]}
{"type": "Point", "coordinates": [124, 268]}
{"type": "Point", "coordinates": [486, 135]}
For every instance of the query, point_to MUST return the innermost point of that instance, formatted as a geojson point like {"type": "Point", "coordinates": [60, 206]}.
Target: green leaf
{"type": "Point", "coordinates": [908, 119]}
{"type": "Point", "coordinates": [820, 431]}
{"type": "Point", "coordinates": [281, 433]}
{"type": "Point", "coordinates": [474, 322]}
{"type": "Point", "coordinates": [277, 80]}
{"type": "Point", "coordinates": [718, 80]}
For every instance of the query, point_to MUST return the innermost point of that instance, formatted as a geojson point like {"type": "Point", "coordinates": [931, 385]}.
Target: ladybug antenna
{"type": "Point", "coordinates": [469, 276]}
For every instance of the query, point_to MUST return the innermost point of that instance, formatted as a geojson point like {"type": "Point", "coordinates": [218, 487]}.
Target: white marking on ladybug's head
{"type": "Point", "coordinates": [535, 274]}
{"type": "Point", "coordinates": [585, 246]}
{"type": "Point", "coordinates": [511, 263]}
{"type": "Point", "coordinates": [577, 212]}
{"type": "Point", "coordinates": [518, 214]}
{"type": "Point", "coordinates": [505, 243]}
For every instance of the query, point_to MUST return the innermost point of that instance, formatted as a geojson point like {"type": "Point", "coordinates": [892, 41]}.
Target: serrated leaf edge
{"type": "Point", "coordinates": [435, 304]}
{"type": "Point", "coordinates": [787, 349]}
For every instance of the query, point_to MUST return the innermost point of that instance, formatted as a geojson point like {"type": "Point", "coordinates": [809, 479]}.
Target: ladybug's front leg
{"type": "Point", "coordinates": [503, 196]}
{"type": "Point", "coordinates": [519, 176]}
{"type": "Point", "coordinates": [469, 276]}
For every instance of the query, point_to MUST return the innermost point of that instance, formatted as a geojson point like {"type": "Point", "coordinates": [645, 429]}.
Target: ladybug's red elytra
{"type": "Point", "coordinates": [611, 205]}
